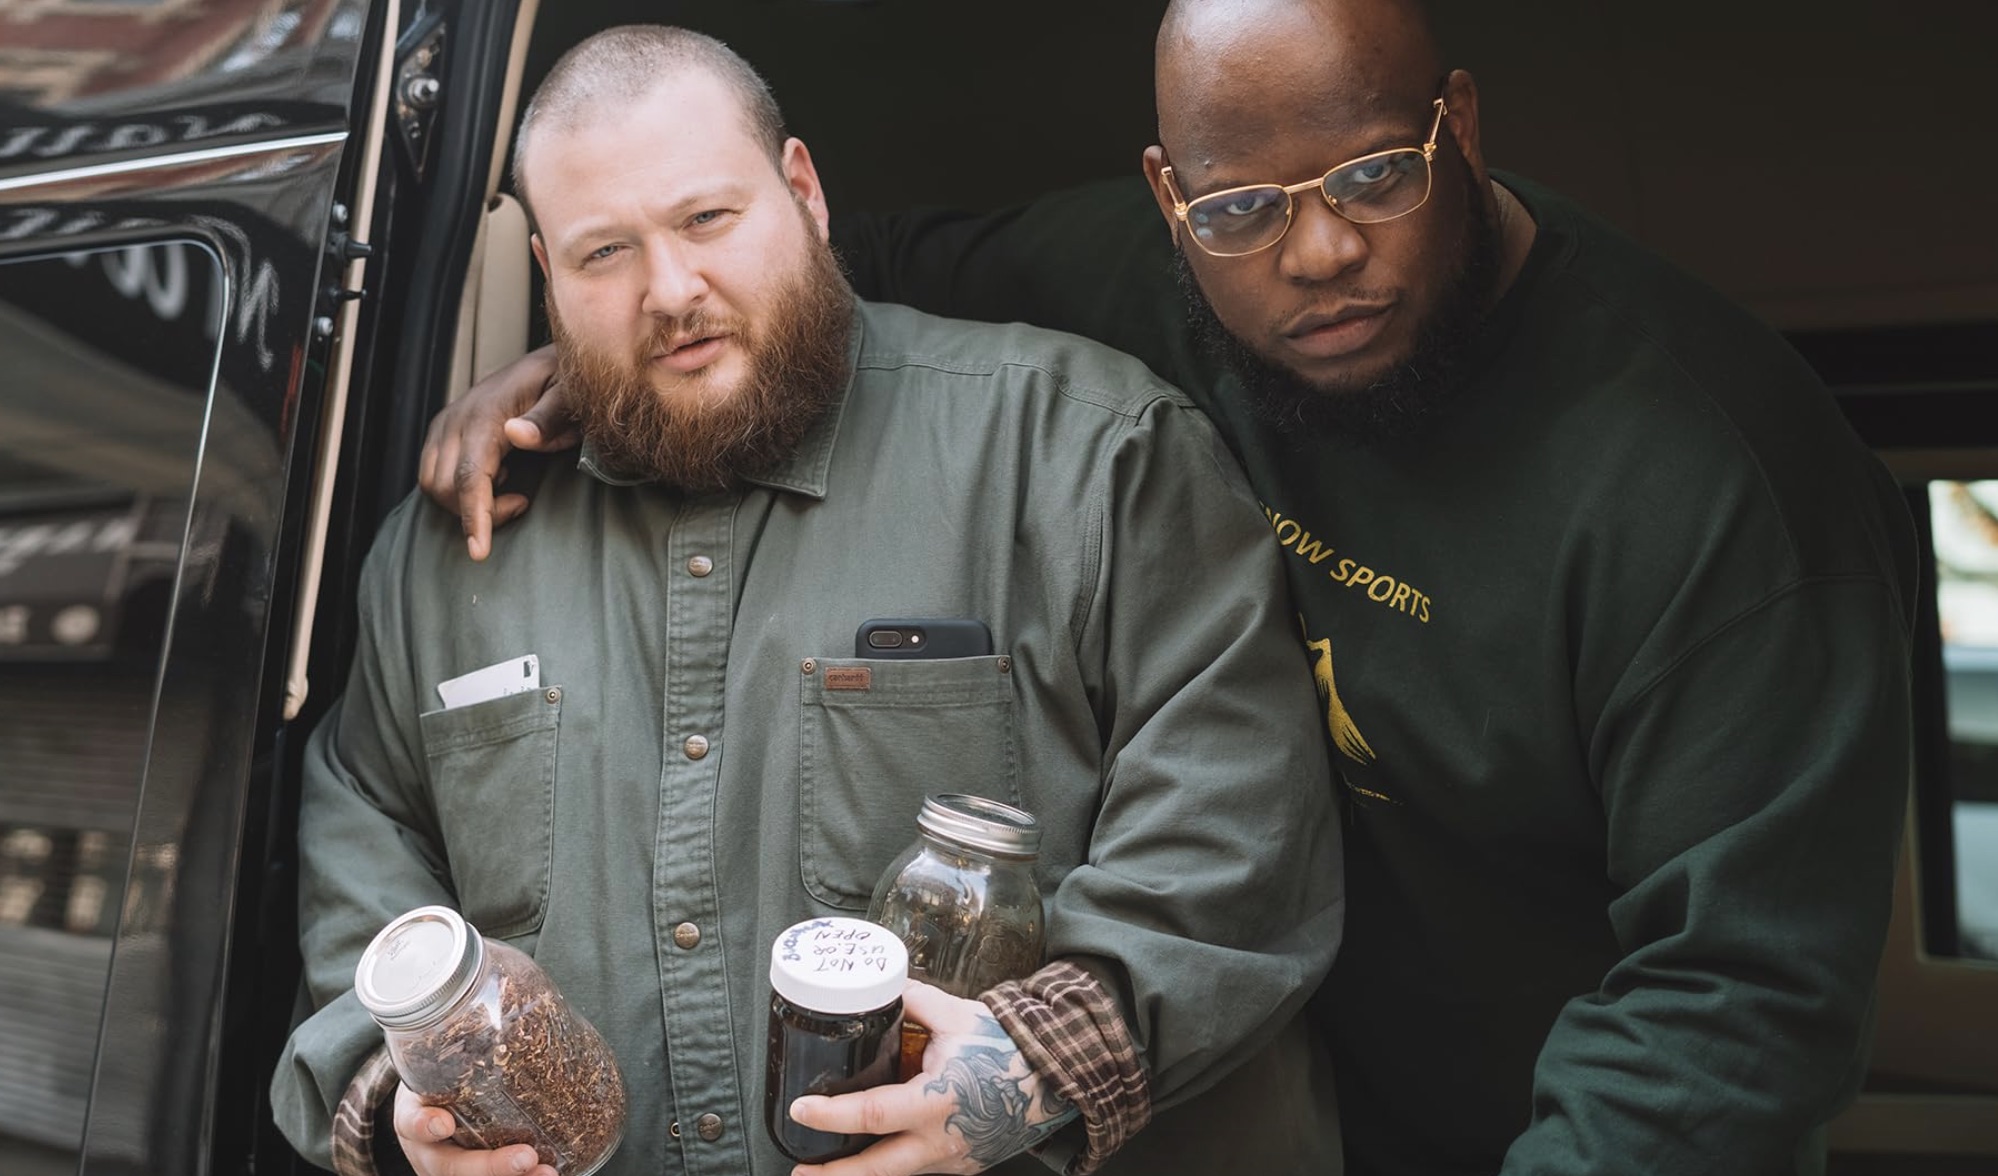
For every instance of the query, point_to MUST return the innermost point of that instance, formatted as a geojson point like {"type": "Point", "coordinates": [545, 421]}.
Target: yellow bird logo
{"type": "Point", "coordinates": [1345, 733]}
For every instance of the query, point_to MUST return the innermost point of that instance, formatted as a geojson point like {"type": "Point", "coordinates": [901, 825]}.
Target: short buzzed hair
{"type": "Point", "coordinates": [615, 66]}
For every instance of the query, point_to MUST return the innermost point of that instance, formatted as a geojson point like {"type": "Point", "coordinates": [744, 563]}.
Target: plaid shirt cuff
{"type": "Point", "coordinates": [354, 1118]}
{"type": "Point", "coordinates": [1070, 1031]}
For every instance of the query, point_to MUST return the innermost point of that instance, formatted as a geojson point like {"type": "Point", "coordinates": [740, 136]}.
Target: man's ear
{"type": "Point", "coordinates": [1460, 94]}
{"type": "Point", "coordinates": [802, 177]}
{"type": "Point", "coordinates": [1155, 165]}
{"type": "Point", "coordinates": [540, 252]}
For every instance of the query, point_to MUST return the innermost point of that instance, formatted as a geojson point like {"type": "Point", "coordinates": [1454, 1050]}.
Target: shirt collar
{"type": "Point", "coordinates": [806, 469]}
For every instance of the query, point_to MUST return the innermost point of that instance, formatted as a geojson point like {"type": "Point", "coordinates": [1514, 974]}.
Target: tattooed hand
{"type": "Point", "coordinates": [975, 1103]}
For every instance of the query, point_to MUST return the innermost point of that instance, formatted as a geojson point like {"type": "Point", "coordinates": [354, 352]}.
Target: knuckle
{"type": "Point", "coordinates": [873, 1118]}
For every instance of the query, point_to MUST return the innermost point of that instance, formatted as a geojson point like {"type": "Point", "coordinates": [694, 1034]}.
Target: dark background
{"type": "Point", "coordinates": [1828, 164]}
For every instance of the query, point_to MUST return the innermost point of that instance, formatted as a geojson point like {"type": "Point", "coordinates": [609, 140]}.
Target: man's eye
{"type": "Point", "coordinates": [1372, 172]}
{"type": "Point", "coordinates": [1249, 203]}
{"type": "Point", "coordinates": [709, 217]}
{"type": "Point", "coordinates": [1382, 173]}
{"type": "Point", "coordinates": [601, 252]}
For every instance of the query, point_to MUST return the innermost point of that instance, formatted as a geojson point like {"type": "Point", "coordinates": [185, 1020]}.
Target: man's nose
{"type": "Point", "coordinates": [1321, 244]}
{"type": "Point", "coordinates": [674, 283]}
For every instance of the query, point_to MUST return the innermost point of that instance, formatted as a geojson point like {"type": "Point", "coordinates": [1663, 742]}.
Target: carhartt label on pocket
{"type": "Point", "coordinates": [849, 677]}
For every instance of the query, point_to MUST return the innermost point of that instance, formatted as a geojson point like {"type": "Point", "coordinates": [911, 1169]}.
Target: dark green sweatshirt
{"type": "Point", "coordinates": [1620, 710]}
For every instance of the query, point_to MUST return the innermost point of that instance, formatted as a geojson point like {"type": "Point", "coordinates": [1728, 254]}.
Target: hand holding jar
{"type": "Point", "coordinates": [479, 1032]}
{"type": "Point", "coordinates": [976, 1102]}
{"type": "Point", "coordinates": [426, 1135]}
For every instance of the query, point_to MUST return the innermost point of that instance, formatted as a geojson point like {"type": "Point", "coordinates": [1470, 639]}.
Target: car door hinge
{"type": "Point", "coordinates": [419, 88]}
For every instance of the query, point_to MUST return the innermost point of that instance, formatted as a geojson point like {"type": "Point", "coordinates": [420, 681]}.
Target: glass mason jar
{"type": "Point", "coordinates": [963, 897]}
{"type": "Point", "coordinates": [476, 1027]}
{"type": "Point", "coordinates": [835, 1026]}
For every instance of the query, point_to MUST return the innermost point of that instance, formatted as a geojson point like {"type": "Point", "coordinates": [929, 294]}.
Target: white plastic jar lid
{"type": "Point", "coordinates": [839, 966]}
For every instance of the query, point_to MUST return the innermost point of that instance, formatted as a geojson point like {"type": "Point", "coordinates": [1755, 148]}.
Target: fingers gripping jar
{"type": "Point", "coordinates": [963, 897]}
{"type": "Point", "coordinates": [476, 1027]}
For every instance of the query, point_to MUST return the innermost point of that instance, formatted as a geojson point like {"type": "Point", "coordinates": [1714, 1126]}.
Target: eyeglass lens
{"type": "Point", "coordinates": [1366, 191]}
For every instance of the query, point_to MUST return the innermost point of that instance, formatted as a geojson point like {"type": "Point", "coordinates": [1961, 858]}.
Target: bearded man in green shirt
{"type": "Point", "coordinates": [705, 762]}
{"type": "Point", "coordinates": [1619, 604]}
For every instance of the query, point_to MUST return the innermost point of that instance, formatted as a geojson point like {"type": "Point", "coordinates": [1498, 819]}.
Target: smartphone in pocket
{"type": "Point", "coordinates": [921, 637]}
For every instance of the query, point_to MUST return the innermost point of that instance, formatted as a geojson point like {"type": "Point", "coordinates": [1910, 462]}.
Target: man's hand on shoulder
{"type": "Point", "coordinates": [425, 1135]}
{"type": "Point", "coordinates": [516, 407]}
{"type": "Point", "coordinates": [976, 1103]}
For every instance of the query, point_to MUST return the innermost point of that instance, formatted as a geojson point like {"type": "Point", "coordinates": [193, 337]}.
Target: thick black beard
{"type": "Point", "coordinates": [1400, 404]}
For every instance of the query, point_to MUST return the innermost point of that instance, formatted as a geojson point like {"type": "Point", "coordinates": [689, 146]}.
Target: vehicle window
{"type": "Point", "coordinates": [1964, 520]}
{"type": "Point", "coordinates": [109, 358]}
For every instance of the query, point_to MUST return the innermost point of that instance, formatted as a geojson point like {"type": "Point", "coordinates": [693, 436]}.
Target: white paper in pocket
{"type": "Point", "coordinates": [511, 676]}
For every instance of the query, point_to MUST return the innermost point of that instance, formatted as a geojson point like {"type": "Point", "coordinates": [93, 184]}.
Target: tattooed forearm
{"type": "Point", "coordinates": [1054, 1106]}
{"type": "Point", "coordinates": [997, 1110]}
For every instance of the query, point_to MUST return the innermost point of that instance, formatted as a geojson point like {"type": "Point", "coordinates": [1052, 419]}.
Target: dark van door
{"type": "Point", "coordinates": [168, 175]}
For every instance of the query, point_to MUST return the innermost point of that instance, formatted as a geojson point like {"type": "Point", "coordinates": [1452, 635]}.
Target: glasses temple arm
{"type": "Point", "coordinates": [1172, 190]}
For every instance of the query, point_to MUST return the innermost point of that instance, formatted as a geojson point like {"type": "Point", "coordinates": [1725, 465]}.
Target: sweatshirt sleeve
{"type": "Point", "coordinates": [1754, 789]}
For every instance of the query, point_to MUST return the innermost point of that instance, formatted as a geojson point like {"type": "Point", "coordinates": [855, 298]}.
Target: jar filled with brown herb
{"type": "Point", "coordinates": [476, 1027]}
{"type": "Point", "coordinates": [964, 898]}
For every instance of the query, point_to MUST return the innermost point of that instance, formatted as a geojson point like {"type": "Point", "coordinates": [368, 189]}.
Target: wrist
{"type": "Point", "coordinates": [1068, 1029]}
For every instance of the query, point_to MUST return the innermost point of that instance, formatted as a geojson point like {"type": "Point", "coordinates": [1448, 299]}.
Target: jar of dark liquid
{"type": "Point", "coordinates": [835, 1025]}
{"type": "Point", "coordinates": [963, 897]}
{"type": "Point", "coordinates": [476, 1027]}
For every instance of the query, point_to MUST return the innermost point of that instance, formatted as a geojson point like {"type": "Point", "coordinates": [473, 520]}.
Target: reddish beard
{"type": "Point", "coordinates": [697, 436]}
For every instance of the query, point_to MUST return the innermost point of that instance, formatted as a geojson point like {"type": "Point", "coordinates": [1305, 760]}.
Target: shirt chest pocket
{"type": "Point", "coordinates": [492, 778]}
{"type": "Point", "coordinates": [877, 736]}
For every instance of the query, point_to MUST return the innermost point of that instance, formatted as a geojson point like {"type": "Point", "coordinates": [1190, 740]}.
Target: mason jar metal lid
{"type": "Point", "coordinates": [839, 966]}
{"type": "Point", "coordinates": [976, 822]}
{"type": "Point", "coordinates": [418, 966]}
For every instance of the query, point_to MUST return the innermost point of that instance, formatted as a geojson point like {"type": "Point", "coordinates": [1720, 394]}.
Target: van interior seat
{"type": "Point", "coordinates": [493, 315]}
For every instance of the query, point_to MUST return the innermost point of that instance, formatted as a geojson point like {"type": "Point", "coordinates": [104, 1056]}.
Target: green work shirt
{"type": "Point", "coordinates": [691, 776]}
{"type": "Point", "coordinates": [1621, 703]}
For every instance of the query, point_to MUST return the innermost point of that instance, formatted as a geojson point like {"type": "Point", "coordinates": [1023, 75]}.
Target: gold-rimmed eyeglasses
{"type": "Point", "coordinates": [1236, 222]}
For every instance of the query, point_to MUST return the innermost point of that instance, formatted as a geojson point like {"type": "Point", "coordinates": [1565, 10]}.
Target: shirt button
{"type": "Point", "coordinates": [709, 1127]}
{"type": "Point", "coordinates": [700, 565]}
{"type": "Point", "coordinates": [687, 936]}
{"type": "Point", "coordinates": [696, 746]}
